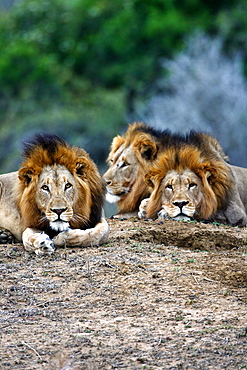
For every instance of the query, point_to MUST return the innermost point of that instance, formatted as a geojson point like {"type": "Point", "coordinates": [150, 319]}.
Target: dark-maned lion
{"type": "Point", "coordinates": [193, 180]}
{"type": "Point", "coordinates": [56, 198]}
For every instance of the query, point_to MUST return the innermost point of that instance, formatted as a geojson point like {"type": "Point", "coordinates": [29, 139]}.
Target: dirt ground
{"type": "Point", "coordinates": [159, 295]}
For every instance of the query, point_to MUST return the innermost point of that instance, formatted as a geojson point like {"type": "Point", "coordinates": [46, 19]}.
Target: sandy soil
{"type": "Point", "coordinates": [159, 295]}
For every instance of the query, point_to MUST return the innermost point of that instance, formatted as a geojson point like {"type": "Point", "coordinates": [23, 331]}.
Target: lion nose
{"type": "Point", "coordinates": [58, 211]}
{"type": "Point", "coordinates": [181, 204]}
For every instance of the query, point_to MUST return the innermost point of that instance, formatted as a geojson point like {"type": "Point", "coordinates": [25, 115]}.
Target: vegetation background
{"type": "Point", "coordinates": [84, 69]}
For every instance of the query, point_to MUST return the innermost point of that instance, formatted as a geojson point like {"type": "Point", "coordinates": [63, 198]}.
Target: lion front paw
{"type": "Point", "coordinates": [162, 214]}
{"type": "Point", "coordinates": [44, 245]}
{"type": "Point", "coordinates": [37, 242]}
{"type": "Point", "coordinates": [142, 208]}
{"type": "Point", "coordinates": [61, 239]}
{"type": "Point", "coordinates": [6, 237]}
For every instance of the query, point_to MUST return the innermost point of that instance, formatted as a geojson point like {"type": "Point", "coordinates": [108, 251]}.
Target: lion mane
{"type": "Point", "coordinates": [49, 150]}
{"type": "Point", "coordinates": [130, 158]}
{"type": "Point", "coordinates": [221, 184]}
{"type": "Point", "coordinates": [56, 198]}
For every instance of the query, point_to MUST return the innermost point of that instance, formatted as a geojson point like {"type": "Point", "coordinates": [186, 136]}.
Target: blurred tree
{"type": "Point", "coordinates": [114, 44]}
{"type": "Point", "coordinates": [205, 91]}
{"type": "Point", "coordinates": [231, 25]}
{"type": "Point", "coordinates": [72, 66]}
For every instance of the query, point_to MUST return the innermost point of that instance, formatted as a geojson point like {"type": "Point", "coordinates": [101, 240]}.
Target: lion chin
{"type": "Point", "coordinates": [114, 198]}
{"type": "Point", "coordinates": [182, 217]}
{"type": "Point", "coordinates": [179, 217]}
{"type": "Point", "coordinates": [59, 225]}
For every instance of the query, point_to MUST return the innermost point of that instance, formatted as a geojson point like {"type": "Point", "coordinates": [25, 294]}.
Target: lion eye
{"type": "Point", "coordinates": [169, 187]}
{"type": "Point", "coordinates": [68, 185]}
{"type": "Point", "coordinates": [45, 187]}
{"type": "Point", "coordinates": [192, 185]}
{"type": "Point", "coordinates": [121, 165]}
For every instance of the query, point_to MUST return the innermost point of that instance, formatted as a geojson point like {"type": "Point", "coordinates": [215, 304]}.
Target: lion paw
{"type": "Point", "coordinates": [142, 208]}
{"type": "Point", "coordinates": [40, 243]}
{"type": "Point", "coordinates": [43, 244]}
{"type": "Point", "coordinates": [61, 239]}
{"type": "Point", "coordinates": [6, 237]}
{"type": "Point", "coordinates": [162, 214]}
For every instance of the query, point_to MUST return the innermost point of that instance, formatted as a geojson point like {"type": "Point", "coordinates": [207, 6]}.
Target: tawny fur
{"type": "Point", "coordinates": [62, 167]}
{"type": "Point", "coordinates": [139, 146]}
{"type": "Point", "coordinates": [223, 185]}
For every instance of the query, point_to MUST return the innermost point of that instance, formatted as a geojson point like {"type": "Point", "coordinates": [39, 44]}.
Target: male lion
{"type": "Point", "coordinates": [129, 160]}
{"type": "Point", "coordinates": [55, 198]}
{"type": "Point", "coordinates": [193, 181]}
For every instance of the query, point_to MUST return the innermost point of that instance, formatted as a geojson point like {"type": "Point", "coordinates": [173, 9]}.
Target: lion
{"type": "Point", "coordinates": [55, 199]}
{"type": "Point", "coordinates": [191, 181]}
{"type": "Point", "coordinates": [129, 160]}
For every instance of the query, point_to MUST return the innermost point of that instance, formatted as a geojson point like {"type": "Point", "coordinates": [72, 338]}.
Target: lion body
{"type": "Point", "coordinates": [196, 182]}
{"type": "Point", "coordinates": [132, 155]}
{"type": "Point", "coordinates": [56, 198]}
{"type": "Point", "coordinates": [10, 218]}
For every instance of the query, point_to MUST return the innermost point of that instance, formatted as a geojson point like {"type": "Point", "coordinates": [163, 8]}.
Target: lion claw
{"type": "Point", "coordinates": [44, 245]}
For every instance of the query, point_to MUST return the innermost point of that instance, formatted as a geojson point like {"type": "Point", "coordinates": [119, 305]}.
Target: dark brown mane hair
{"type": "Point", "coordinates": [49, 150]}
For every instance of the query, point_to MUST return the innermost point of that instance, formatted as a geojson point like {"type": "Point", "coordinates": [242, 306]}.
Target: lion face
{"type": "Point", "coordinates": [181, 195]}
{"type": "Point", "coordinates": [187, 183]}
{"type": "Point", "coordinates": [59, 187]}
{"type": "Point", "coordinates": [55, 196]}
{"type": "Point", "coordinates": [129, 160]}
{"type": "Point", "coordinates": [121, 175]}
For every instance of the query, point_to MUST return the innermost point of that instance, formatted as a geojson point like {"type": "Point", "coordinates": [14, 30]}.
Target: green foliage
{"type": "Point", "coordinates": [114, 44]}
{"type": "Point", "coordinates": [75, 67]}
{"type": "Point", "coordinates": [81, 123]}
{"type": "Point", "coordinates": [231, 24]}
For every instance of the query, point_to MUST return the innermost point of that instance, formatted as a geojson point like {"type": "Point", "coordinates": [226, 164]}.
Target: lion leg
{"type": "Point", "coordinates": [142, 208]}
{"type": "Point", "coordinates": [84, 238]}
{"type": "Point", "coordinates": [36, 241]}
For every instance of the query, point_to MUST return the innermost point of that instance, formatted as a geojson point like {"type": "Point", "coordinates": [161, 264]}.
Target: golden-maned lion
{"type": "Point", "coordinates": [129, 160]}
{"type": "Point", "coordinates": [55, 199]}
{"type": "Point", "coordinates": [192, 181]}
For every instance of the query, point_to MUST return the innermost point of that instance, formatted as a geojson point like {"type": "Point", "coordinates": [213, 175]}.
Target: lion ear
{"type": "Point", "coordinates": [151, 178]}
{"type": "Point", "coordinates": [147, 149]}
{"type": "Point", "coordinates": [81, 165]}
{"type": "Point", "coordinates": [26, 175]}
{"type": "Point", "coordinates": [116, 143]}
{"type": "Point", "coordinates": [208, 175]}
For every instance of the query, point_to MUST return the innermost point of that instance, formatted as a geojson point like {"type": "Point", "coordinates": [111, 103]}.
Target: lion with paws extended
{"type": "Point", "coordinates": [195, 182]}
{"type": "Point", "coordinates": [55, 199]}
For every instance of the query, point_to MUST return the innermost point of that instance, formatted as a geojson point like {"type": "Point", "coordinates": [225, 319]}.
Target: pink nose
{"type": "Point", "coordinates": [180, 204]}
{"type": "Point", "coordinates": [58, 211]}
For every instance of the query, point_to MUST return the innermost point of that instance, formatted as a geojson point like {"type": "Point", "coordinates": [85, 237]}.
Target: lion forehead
{"type": "Point", "coordinates": [126, 156]}
{"type": "Point", "coordinates": [122, 165]}
{"type": "Point", "coordinates": [114, 154]}
{"type": "Point", "coordinates": [184, 177]}
{"type": "Point", "coordinates": [56, 175]}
